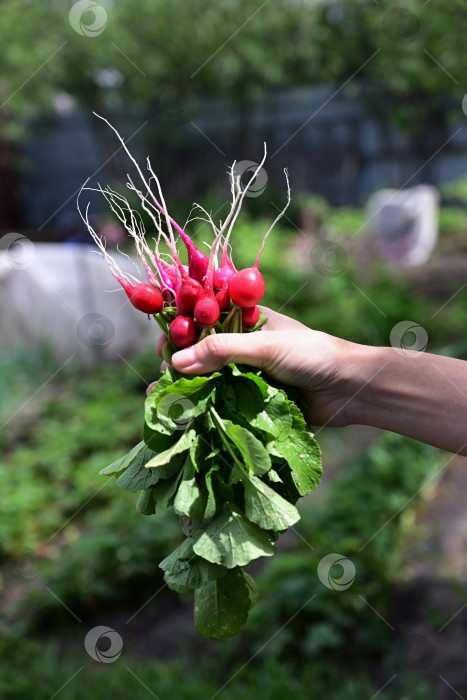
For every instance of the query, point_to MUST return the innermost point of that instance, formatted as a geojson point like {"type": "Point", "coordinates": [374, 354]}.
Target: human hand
{"type": "Point", "coordinates": [286, 350]}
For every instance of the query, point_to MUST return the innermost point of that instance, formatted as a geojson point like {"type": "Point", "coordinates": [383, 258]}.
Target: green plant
{"type": "Point", "coordinates": [232, 463]}
{"type": "Point", "coordinates": [366, 516]}
{"type": "Point", "coordinates": [456, 189]}
{"type": "Point", "coordinates": [346, 221]}
{"type": "Point", "coordinates": [453, 222]}
{"type": "Point", "coordinates": [50, 668]}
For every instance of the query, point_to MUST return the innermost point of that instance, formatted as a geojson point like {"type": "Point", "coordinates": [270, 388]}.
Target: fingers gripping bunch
{"type": "Point", "coordinates": [229, 452]}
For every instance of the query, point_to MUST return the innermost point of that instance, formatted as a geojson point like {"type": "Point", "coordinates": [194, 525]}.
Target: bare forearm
{"type": "Point", "coordinates": [419, 395]}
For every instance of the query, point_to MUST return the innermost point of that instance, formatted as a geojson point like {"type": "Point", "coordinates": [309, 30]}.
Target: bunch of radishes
{"type": "Point", "coordinates": [203, 297]}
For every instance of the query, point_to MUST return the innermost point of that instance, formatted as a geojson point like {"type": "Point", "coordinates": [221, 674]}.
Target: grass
{"type": "Point", "coordinates": [72, 675]}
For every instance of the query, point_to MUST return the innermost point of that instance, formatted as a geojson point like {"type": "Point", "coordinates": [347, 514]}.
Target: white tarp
{"type": "Point", "coordinates": [403, 224]}
{"type": "Point", "coordinates": [60, 296]}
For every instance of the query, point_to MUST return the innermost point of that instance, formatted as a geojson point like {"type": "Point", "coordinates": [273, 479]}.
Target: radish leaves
{"type": "Point", "coordinates": [231, 454]}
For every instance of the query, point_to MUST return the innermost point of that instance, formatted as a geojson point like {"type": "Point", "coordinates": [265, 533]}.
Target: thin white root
{"type": "Point", "coordinates": [278, 217]}
{"type": "Point", "coordinates": [164, 224]}
{"type": "Point", "coordinates": [237, 203]}
{"type": "Point", "coordinates": [140, 173]}
{"type": "Point", "coordinates": [208, 220]}
{"type": "Point", "coordinates": [168, 220]}
{"type": "Point", "coordinates": [113, 265]}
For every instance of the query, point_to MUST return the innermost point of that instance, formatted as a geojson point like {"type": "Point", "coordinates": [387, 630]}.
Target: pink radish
{"type": "Point", "coordinates": [197, 260]}
{"type": "Point", "coordinates": [226, 270]}
{"type": "Point", "coordinates": [187, 289]}
{"type": "Point", "coordinates": [250, 316]}
{"type": "Point", "coordinates": [183, 331]}
{"type": "Point", "coordinates": [207, 309]}
{"type": "Point", "coordinates": [223, 297]}
{"type": "Point", "coordinates": [223, 274]}
{"type": "Point", "coordinates": [151, 386]}
{"type": "Point", "coordinates": [247, 287]}
{"type": "Point", "coordinates": [171, 271]}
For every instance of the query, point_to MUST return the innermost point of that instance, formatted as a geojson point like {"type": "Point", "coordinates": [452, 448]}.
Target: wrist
{"type": "Point", "coordinates": [365, 366]}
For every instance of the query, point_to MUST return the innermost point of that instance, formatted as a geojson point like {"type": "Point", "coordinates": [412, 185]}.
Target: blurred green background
{"type": "Point", "coordinates": [74, 553]}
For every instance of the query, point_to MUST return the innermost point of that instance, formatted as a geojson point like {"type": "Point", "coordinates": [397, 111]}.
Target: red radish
{"type": "Point", "coordinates": [183, 331]}
{"type": "Point", "coordinates": [247, 287]}
{"type": "Point", "coordinates": [146, 298]}
{"type": "Point", "coordinates": [188, 294]}
{"type": "Point", "coordinates": [197, 260]}
{"type": "Point", "coordinates": [187, 289]}
{"type": "Point", "coordinates": [207, 311]}
{"type": "Point", "coordinates": [223, 297]}
{"type": "Point", "coordinates": [226, 270]}
{"type": "Point", "coordinates": [250, 316]}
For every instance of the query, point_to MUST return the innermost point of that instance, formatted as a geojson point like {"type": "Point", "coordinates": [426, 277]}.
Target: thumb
{"type": "Point", "coordinates": [215, 351]}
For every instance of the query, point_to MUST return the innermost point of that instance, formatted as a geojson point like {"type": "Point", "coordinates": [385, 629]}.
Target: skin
{"type": "Point", "coordinates": [417, 394]}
